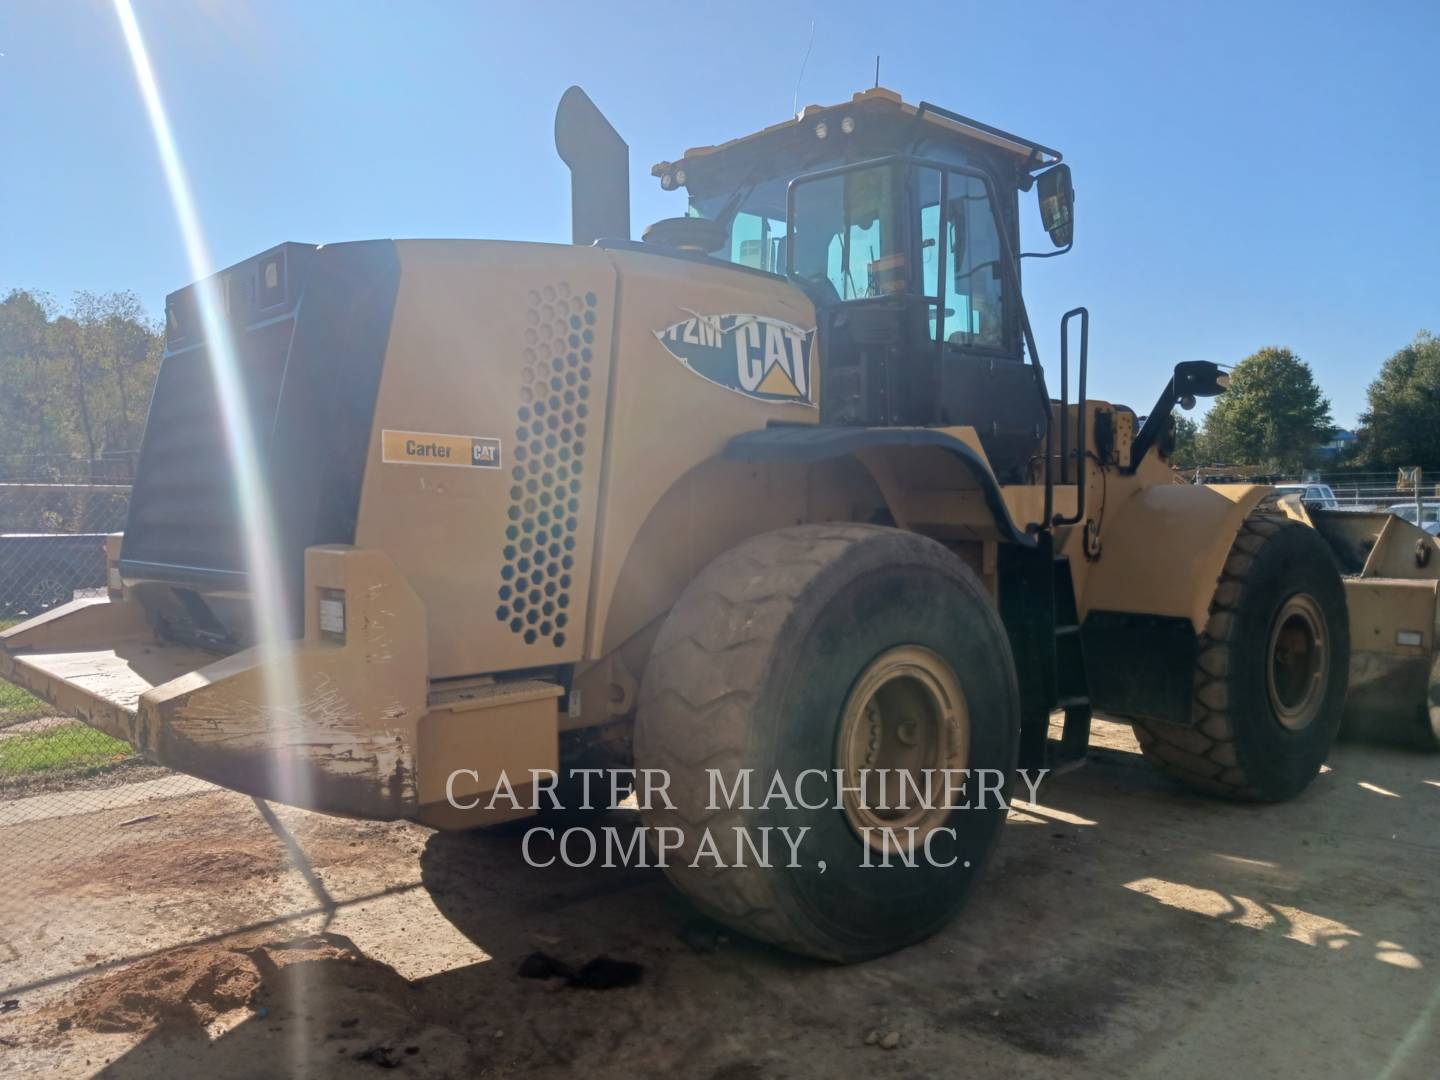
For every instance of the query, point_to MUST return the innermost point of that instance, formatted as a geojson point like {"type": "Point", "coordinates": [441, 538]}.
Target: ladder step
{"type": "Point", "coordinates": [1072, 702]}
{"type": "Point", "coordinates": [1068, 628]}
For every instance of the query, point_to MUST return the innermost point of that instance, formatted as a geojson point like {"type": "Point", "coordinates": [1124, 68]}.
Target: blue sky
{"type": "Point", "coordinates": [1246, 174]}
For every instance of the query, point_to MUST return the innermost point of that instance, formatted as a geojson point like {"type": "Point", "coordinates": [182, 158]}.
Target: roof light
{"type": "Point", "coordinates": [667, 181]}
{"type": "Point", "coordinates": [847, 125]}
{"type": "Point", "coordinates": [821, 130]}
{"type": "Point", "coordinates": [679, 177]}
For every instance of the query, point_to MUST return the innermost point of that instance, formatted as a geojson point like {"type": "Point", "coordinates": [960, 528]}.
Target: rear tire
{"type": "Point", "coordinates": [1271, 672]}
{"type": "Point", "coordinates": [764, 664]}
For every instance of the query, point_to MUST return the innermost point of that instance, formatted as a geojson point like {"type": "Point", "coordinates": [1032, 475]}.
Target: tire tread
{"type": "Point", "coordinates": [756, 586]}
{"type": "Point", "coordinates": [1204, 756]}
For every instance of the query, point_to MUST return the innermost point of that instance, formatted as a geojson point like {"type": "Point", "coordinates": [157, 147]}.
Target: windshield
{"type": "Point", "coordinates": [850, 233]}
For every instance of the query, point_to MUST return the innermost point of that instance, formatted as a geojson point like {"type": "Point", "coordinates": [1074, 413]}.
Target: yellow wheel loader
{"type": "Point", "coordinates": [774, 506]}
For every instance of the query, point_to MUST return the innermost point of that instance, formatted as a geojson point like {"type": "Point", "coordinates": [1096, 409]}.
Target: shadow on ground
{"type": "Point", "coordinates": [1125, 927]}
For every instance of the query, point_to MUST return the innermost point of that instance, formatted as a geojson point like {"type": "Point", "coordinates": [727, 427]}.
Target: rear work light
{"type": "Point", "coordinates": [272, 281]}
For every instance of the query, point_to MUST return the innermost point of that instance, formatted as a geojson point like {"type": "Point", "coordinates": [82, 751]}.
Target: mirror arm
{"type": "Point", "coordinates": [1171, 396]}
{"type": "Point", "coordinates": [1155, 423]}
{"type": "Point", "coordinates": [1045, 254]}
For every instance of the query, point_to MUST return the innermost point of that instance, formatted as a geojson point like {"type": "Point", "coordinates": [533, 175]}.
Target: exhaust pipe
{"type": "Point", "coordinates": [599, 161]}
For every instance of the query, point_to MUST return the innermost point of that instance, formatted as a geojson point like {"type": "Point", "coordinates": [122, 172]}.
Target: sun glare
{"type": "Point", "coordinates": [262, 562]}
{"type": "Point", "coordinates": [281, 706]}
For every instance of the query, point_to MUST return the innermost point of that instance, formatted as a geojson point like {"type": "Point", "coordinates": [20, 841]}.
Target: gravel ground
{"type": "Point", "coordinates": [1126, 928]}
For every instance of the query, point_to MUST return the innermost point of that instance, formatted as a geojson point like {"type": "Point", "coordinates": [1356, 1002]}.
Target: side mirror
{"type": "Point", "coordinates": [1197, 379]}
{"type": "Point", "coordinates": [1057, 204]}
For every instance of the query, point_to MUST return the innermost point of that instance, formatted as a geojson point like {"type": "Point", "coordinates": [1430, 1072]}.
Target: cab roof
{"type": "Point", "coordinates": [882, 104]}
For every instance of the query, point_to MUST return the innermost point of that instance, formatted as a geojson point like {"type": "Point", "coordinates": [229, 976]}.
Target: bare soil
{"type": "Point", "coordinates": [1126, 928]}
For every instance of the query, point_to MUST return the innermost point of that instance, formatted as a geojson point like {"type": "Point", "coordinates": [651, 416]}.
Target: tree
{"type": "Point", "coordinates": [1402, 424]}
{"type": "Point", "coordinates": [26, 401]}
{"type": "Point", "coordinates": [74, 384]}
{"type": "Point", "coordinates": [1188, 450]}
{"type": "Point", "coordinates": [1272, 415]}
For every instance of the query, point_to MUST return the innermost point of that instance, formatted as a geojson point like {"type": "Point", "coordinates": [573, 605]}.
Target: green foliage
{"type": "Point", "coordinates": [1402, 424]}
{"type": "Point", "coordinates": [69, 747]}
{"type": "Point", "coordinates": [1272, 415]}
{"type": "Point", "coordinates": [76, 383]}
{"type": "Point", "coordinates": [17, 706]}
{"type": "Point", "coordinates": [1188, 450]}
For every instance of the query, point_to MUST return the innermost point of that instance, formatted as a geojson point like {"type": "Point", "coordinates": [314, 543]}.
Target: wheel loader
{"type": "Point", "coordinates": [781, 490]}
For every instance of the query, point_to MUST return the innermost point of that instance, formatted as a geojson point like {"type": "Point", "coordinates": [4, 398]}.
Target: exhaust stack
{"type": "Point", "coordinates": [599, 161]}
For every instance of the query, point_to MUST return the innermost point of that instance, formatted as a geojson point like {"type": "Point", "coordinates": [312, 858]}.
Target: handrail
{"type": "Point", "coordinates": [1082, 441]}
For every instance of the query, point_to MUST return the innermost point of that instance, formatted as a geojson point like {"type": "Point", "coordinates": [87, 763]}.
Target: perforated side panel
{"type": "Point", "coordinates": [549, 464]}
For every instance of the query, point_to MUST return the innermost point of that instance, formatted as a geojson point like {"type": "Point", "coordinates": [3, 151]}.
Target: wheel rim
{"type": "Point", "coordinates": [1298, 662]}
{"type": "Point", "coordinates": [906, 713]}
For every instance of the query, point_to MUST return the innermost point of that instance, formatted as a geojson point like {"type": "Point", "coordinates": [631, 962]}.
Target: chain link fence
{"type": "Point", "coordinates": [57, 773]}
{"type": "Point", "coordinates": [1411, 494]}
{"type": "Point", "coordinates": [108, 859]}
{"type": "Point", "coordinates": [1396, 490]}
{"type": "Point", "coordinates": [52, 549]}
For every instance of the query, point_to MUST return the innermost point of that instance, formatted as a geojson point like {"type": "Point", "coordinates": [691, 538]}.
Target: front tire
{"type": "Point", "coordinates": [1271, 674]}
{"type": "Point", "coordinates": [826, 647]}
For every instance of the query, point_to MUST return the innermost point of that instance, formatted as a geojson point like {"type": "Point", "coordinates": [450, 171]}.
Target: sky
{"type": "Point", "coordinates": [1246, 174]}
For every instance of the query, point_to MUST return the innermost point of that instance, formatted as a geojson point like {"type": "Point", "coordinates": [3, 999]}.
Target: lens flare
{"type": "Point", "coordinates": [281, 706]}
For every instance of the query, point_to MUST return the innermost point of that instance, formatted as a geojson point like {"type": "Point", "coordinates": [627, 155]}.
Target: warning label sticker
{"type": "Point", "coordinates": [427, 448]}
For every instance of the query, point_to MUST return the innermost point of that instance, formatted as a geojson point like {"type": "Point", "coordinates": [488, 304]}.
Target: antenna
{"type": "Point", "coordinates": [795, 102]}
{"type": "Point", "coordinates": [877, 71]}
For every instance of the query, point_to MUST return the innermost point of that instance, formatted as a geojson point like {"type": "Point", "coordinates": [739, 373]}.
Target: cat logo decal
{"type": "Point", "coordinates": [755, 355]}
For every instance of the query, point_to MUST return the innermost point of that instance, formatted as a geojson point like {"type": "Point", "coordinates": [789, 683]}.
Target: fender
{"type": "Point", "coordinates": [805, 473]}
{"type": "Point", "coordinates": [1165, 547]}
{"type": "Point", "coordinates": [809, 444]}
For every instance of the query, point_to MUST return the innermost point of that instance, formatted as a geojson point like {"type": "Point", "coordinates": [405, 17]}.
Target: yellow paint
{"type": "Point", "coordinates": [777, 382]}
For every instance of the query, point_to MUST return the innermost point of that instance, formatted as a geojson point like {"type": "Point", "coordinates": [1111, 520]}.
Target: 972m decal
{"type": "Point", "coordinates": [754, 355]}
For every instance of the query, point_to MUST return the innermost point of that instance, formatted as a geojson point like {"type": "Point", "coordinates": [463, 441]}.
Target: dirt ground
{"type": "Point", "coordinates": [1126, 928]}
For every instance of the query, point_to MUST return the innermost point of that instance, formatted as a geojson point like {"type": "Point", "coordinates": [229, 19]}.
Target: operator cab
{"type": "Point", "coordinates": [901, 223]}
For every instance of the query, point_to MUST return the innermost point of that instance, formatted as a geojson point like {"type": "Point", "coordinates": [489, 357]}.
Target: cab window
{"type": "Point", "coordinates": [970, 295]}
{"type": "Point", "coordinates": [849, 233]}
{"type": "Point", "coordinates": [757, 240]}
{"type": "Point", "coordinates": [756, 219]}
